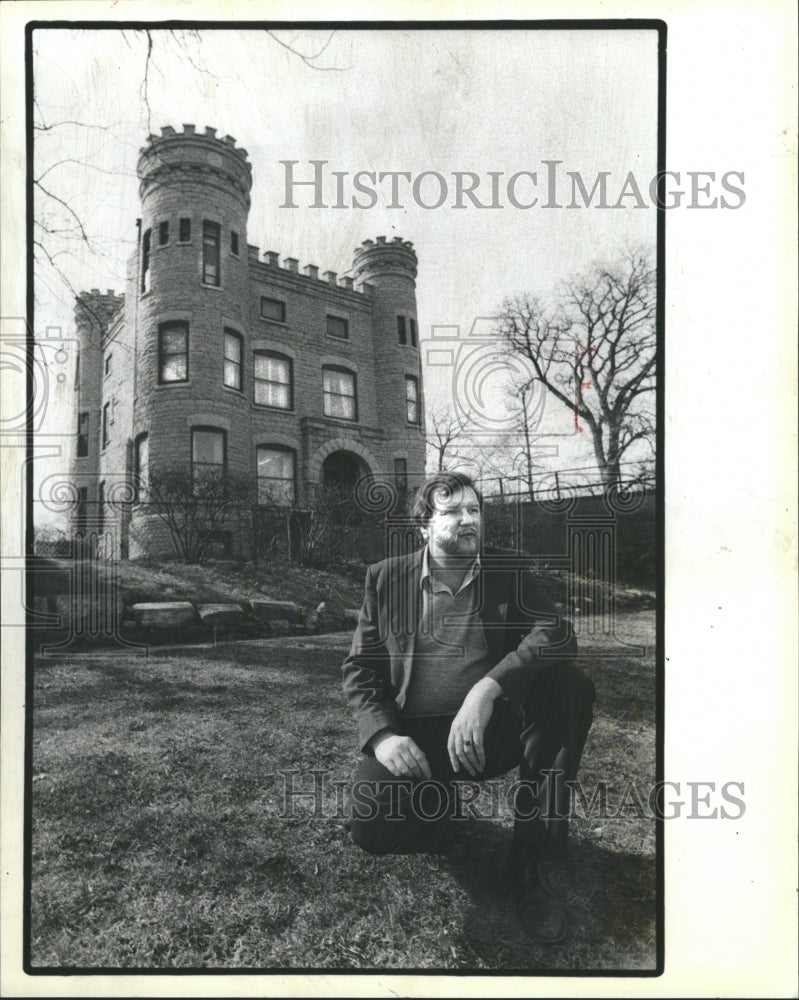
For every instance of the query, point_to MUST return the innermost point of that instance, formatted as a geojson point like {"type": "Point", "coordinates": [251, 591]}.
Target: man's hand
{"type": "Point", "coordinates": [400, 755]}
{"type": "Point", "coordinates": [465, 743]}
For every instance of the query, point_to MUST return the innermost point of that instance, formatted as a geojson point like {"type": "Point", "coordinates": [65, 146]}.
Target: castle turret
{"type": "Point", "coordinates": [192, 302]}
{"type": "Point", "coordinates": [390, 269]}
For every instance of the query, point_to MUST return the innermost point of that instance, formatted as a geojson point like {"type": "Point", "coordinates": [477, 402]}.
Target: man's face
{"type": "Point", "coordinates": [455, 526]}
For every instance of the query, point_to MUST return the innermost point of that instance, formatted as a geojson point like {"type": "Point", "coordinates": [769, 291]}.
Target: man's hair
{"type": "Point", "coordinates": [440, 486]}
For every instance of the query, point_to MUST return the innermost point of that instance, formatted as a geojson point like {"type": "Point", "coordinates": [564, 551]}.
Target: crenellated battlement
{"type": "Point", "coordinates": [173, 156]}
{"type": "Point", "coordinates": [190, 132]}
{"type": "Point", "coordinates": [373, 256]}
{"type": "Point", "coordinates": [96, 307]}
{"type": "Point", "coordinates": [309, 273]}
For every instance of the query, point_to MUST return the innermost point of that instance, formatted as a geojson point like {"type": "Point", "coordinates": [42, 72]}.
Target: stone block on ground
{"type": "Point", "coordinates": [164, 614]}
{"type": "Point", "coordinates": [221, 614]}
{"type": "Point", "coordinates": [271, 611]}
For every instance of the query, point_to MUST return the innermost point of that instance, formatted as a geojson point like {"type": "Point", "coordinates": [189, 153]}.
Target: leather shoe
{"type": "Point", "coordinates": [541, 912]}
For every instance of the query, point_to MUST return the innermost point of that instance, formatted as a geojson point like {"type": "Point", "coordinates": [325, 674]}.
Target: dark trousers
{"type": "Point", "coordinates": [390, 815]}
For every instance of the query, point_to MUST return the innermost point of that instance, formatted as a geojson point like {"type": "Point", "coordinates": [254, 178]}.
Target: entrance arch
{"type": "Point", "coordinates": [317, 460]}
{"type": "Point", "coordinates": [341, 470]}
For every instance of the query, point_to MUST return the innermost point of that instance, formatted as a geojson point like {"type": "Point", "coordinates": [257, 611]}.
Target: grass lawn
{"type": "Point", "coordinates": [160, 838]}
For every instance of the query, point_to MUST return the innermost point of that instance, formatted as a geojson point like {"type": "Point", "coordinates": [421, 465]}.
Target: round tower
{"type": "Point", "coordinates": [191, 309]}
{"type": "Point", "coordinates": [389, 268]}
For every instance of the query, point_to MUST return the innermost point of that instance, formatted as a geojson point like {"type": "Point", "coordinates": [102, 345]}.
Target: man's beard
{"type": "Point", "coordinates": [461, 545]}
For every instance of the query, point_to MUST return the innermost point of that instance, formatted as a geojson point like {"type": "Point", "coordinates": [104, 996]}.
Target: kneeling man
{"type": "Point", "coordinates": [460, 670]}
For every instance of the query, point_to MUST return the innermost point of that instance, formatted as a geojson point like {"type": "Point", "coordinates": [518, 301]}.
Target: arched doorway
{"type": "Point", "coordinates": [341, 471]}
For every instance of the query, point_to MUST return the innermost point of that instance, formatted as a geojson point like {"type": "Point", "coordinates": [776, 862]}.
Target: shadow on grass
{"type": "Point", "coordinates": [610, 898]}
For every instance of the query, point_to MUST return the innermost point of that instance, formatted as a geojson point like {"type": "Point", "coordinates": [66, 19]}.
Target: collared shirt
{"type": "Point", "coordinates": [450, 652]}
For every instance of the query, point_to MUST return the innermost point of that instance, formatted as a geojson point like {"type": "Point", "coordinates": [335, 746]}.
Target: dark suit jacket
{"type": "Point", "coordinates": [524, 634]}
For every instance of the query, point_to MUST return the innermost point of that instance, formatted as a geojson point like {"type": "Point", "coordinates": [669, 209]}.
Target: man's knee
{"type": "Point", "coordinates": [368, 835]}
{"type": "Point", "coordinates": [389, 817]}
{"type": "Point", "coordinates": [376, 809]}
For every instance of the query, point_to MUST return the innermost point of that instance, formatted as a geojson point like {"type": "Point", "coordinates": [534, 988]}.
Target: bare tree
{"type": "Point", "coordinates": [595, 353]}
{"type": "Point", "coordinates": [195, 510]}
{"type": "Point", "coordinates": [445, 430]}
{"type": "Point", "coordinates": [322, 529]}
{"type": "Point", "coordinates": [522, 409]}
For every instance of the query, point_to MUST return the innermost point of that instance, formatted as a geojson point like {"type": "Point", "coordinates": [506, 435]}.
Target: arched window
{"type": "Point", "coordinates": [412, 399]}
{"type": "Point", "coordinates": [340, 393]}
{"type": "Point", "coordinates": [173, 352]}
{"type": "Point", "coordinates": [272, 380]}
{"type": "Point", "coordinates": [275, 468]}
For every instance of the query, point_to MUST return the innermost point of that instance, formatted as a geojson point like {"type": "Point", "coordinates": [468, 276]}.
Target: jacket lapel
{"type": "Point", "coordinates": [405, 605]}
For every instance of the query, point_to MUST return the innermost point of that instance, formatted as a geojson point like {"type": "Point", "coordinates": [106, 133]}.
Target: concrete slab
{"type": "Point", "coordinates": [269, 611]}
{"type": "Point", "coordinates": [164, 614]}
{"type": "Point", "coordinates": [220, 614]}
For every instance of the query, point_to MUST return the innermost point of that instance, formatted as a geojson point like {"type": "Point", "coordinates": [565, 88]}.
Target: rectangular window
{"type": "Point", "coordinates": [211, 233]}
{"type": "Point", "coordinates": [101, 506]}
{"type": "Point", "coordinates": [184, 230]}
{"type": "Point", "coordinates": [83, 435]}
{"type": "Point", "coordinates": [339, 390]}
{"type": "Point", "coordinates": [142, 467]}
{"type": "Point", "coordinates": [412, 399]}
{"type": "Point", "coordinates": [337, 327]}
{"type": "Point", "coordinates": [273, 309]}
{"type": "Point", "coordinates": [272, 380]}
{"type": "Point", "coordinates": [208, 446]}
{"type": "Point", "coordinates": [413, 332]}
{"type": "Point", "coordinates": [106, 423]}
{"type": "Point", "coordinates": [108, 364]}
{"type": "Point", "coordinates": [401, 474]}
{"type": "Point", "coordinates": [234, 243]}
{"type": "Point", "coordinates": [401, 335]}
{"type": "Point", "coordinates": [81, 513]}
{"type": "Point", "coordinates": [275, 475]}
{"type": "Point", "coordinates": [145, 262]}
{"type": "Point", "coordinates": [77, 369]}
{"type": "Point", "coordinates": [163, 233]}
{"type": "Point", "coordinates": [173, 352]}
{"type": "Point", "coordinates": [232, 362]}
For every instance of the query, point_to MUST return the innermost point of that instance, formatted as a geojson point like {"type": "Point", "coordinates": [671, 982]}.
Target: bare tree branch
{"type": "Point", "coordinates": [595, 352]}
{"type": "Point", "coordinates": [310, 60]}
{"type": "Point", "coordinates": [443, 430]}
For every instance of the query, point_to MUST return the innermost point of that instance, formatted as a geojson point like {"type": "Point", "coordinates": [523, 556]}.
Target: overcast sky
{"type": "Point", "coordinates": [443, 101]}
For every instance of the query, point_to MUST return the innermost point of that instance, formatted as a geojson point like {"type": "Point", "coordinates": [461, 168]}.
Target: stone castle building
{"type": "Point", "coordinates": [225, 361]}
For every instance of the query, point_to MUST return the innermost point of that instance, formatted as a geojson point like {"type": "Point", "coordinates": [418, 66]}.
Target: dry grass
{"type": "Point", "coordinates": [159, 841]}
